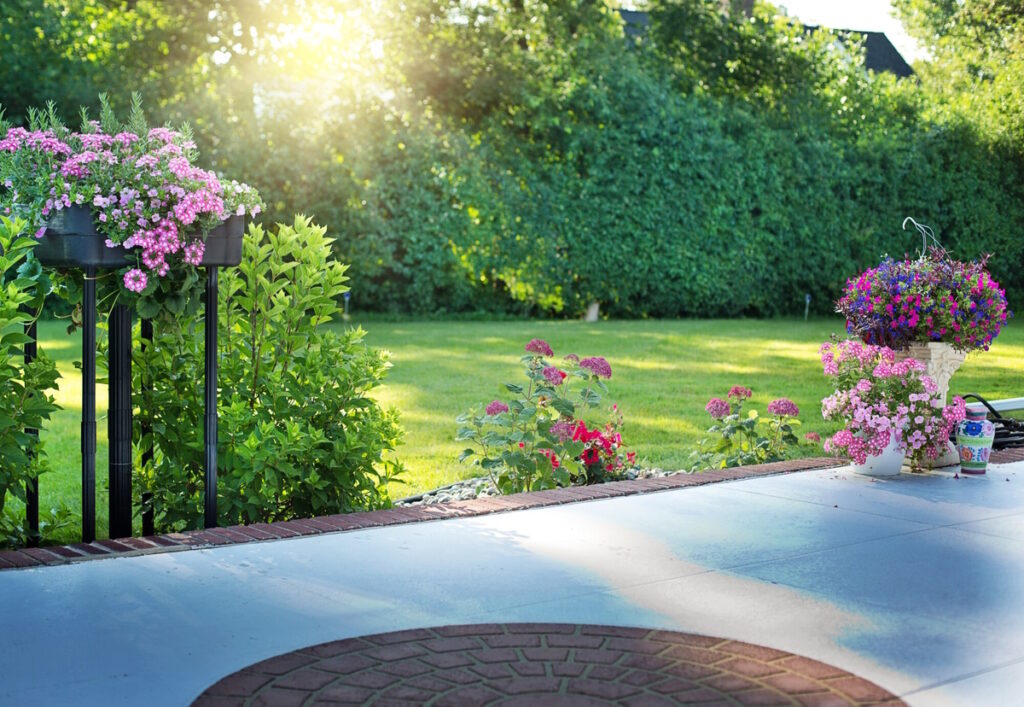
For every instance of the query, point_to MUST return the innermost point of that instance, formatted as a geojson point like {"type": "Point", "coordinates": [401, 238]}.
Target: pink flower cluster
{"type": "Point", "coordinates": [539, 347]}
{"type": "Point", "coordinates": [878, 398]}
{"type": "Point", "coordinates": [496, 407]}
{"type": "Point", "coordinates": [717, 408]}
{"type": "Point", "coordinates": [553, 375]}
{"type": "Point", "coordinates": [598, 366]}
{"type": "Point", "coordinates": [143, 190]}
{"type": "Point", "coordinates": [783, 407]}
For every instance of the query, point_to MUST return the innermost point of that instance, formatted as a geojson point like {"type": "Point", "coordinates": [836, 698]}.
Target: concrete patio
{"type": "Point", "coordinates": [914, 583]}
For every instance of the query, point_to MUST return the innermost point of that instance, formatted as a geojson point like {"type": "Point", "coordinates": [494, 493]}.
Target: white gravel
{"type": "Point", "coordinates": [482, 486]}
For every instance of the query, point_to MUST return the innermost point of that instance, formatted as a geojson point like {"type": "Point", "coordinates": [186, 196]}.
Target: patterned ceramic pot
{"type": "Point", "coordinates": [974, 438]}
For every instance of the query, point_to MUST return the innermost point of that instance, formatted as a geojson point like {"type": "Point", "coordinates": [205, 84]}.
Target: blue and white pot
{"type": "Point", "coordinates": [974, 437]}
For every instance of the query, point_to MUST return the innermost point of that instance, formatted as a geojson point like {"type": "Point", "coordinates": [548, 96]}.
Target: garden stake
{"type": "Point", "coordinates": [119, 422]}
{"type": "Point", "coordinates": [210, 419]}
{"type": "Point", "coordinates": [32, 485]}
{"type": "Point", "coordinates": [89, 405]}
{"type": "Point", "coordinates": [148, 525]}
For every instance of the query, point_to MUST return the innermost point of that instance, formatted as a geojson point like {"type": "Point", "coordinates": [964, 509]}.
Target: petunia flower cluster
{"type": "Point", "coordinates": [879, 398]}
{"type": "Point", "coordinates": [934, 298]}
{"type": "Point", "coordinates": [143, 190]}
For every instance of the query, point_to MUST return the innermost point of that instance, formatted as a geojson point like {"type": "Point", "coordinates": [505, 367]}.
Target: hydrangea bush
{"type": "Point", "coordinates": [141, 186]}
{"type": "Point", "coordinates": [879, 398]}
{"type": "Point", "coordinates": [737, 440]}
{"type": "Point", "coordinates": [537, 438]}
{"type": "Point", "coordinates": [933, 298]}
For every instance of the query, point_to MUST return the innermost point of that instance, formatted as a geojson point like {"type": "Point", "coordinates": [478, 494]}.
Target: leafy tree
{"type": "Point", "coordinates": [976, 70]}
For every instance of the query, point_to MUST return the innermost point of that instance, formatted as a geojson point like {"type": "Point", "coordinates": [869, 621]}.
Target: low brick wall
{"type": "Point", "coordinates": [260, 532]}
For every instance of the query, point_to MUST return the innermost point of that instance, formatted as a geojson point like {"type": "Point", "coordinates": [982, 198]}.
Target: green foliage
{"type": "Point", "coordinates": [24, 402]}
{"type": "Point", "coordinates": [525, 157]}
{"type": "Point", "coordinates": [976, 73]}
{"type": "Point", "coordinates": [299, 435]}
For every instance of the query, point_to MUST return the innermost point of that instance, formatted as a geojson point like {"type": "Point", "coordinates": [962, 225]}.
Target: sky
{"type": "Point", "coordinates": [873, 15]}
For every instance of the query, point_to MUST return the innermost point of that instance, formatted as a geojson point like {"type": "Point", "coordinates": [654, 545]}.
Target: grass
{"type": "Point", "coordinates": [663, 374]}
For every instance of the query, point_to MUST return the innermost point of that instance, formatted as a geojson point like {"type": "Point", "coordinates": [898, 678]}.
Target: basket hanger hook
{"type": "Point", "coordinates": [926, 234]}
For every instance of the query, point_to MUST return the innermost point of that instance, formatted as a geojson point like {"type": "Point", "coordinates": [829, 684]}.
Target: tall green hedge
{"type": "Point", "coordinates": [527, 157]}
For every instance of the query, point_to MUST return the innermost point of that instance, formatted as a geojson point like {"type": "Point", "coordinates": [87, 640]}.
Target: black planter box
{"type": "Point", "coordinates": [71, 241]}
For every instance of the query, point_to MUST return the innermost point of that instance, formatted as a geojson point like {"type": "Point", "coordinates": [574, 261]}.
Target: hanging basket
{"type": "Point", "coordinates": [71, 241]}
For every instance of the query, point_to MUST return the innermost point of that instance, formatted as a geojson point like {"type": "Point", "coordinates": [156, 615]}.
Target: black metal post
{"type": "Point", "coordinates": [32, 485]}
{"type": "Point", "coordinates": [210, 419]}
{"type": "Point", "coordinates": [119, 421]}
{"type": "Point", "coordinates": [89, 406]}
{"type": "Point", "coordinates": [148, 525]}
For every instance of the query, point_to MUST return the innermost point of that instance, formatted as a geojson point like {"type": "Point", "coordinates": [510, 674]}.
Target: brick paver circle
{"type": "Point", "coordinates": [541, 664]}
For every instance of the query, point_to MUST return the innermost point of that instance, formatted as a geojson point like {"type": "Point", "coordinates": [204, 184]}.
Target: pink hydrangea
{"type": "Point", "coordinates": [813, 437]}
{"type": "Point", "coordinates": [740, 392]}
{"type": "Point", "coordinates": [496, 407]}
{"type": "Point", "coordinates": [717, 408]}
{"type": "Point", "coordinates": [783, 407]}
{"type": "Point", "coordinates": [540, 347]}
{"type": "Point", "coordinates": [598, 366]}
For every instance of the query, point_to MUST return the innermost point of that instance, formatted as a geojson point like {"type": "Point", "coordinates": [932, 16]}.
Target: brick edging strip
{"type": "Point", "coordinates": [261, 532]}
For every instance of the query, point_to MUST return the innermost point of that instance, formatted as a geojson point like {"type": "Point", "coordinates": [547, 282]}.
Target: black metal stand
{"type": "Point", "coordinates": [32, 485]}
{"type": "Point", "coordinates": [210, 400]}
{"type": "Point", "coordinates": [89, 406]}
{"type": "Point", "coordinates": [119, 421]}
{"type": "Point", "coordinates": [148, 521]}
{"type": "Point", "coordinates": [71, 241]}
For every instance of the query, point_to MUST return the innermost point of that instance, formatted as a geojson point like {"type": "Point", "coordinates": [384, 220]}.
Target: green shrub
{"type": "Point", "coordinates": [298, 435]}
{"type": "Point", "coordinates": [24, 402]}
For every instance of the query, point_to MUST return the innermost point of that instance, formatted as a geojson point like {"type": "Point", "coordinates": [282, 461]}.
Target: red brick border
{"type": "Point", "coordinates": [259, 532]}
{"type": "Point", "coordinates": [541, 664]}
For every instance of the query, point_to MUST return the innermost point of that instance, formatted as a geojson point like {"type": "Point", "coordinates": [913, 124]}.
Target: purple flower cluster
{"type": "Point", "coordinates": [496, 407]}
{"type": "Point", "coordinates": [539, 347]}
{"type": "Point", "coordinates": [717, 408]}
{"type": "Point", "coordinates": [598, 366]}
{"type": "Point", "coordinates": [934, 298]}
{"type": "Point", "coordinates": [783, 407]}
{"type": "Point", "coordinates": [554, 376]}
{"type": "Point", "coordinates": [740, 392]}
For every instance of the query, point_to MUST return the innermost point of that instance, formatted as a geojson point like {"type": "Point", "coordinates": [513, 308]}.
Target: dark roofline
{"type": "Point", "coordinates": [879, 52]}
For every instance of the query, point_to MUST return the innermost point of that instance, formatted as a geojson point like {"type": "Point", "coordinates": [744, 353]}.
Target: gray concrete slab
{"type": "Point", "coordinates": [913, 583]}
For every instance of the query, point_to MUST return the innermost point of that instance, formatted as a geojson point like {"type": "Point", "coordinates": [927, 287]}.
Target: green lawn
{"type": "Point", "coordinates": [663, 374]}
